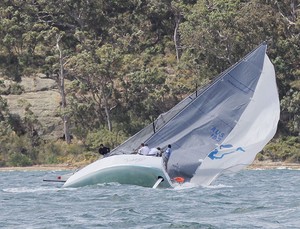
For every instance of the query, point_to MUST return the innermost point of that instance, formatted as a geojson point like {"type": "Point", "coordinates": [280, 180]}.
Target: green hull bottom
{"type": "Point", "coordinates": [131, 175]}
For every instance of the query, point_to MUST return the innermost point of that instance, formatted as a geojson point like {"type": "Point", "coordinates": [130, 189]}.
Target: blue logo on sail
{"type": "Point", "coordinates": [224, 150]}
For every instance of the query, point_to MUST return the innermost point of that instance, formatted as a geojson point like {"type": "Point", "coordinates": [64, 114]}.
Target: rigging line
{"type": "Point", "coordinates": [244, 85]}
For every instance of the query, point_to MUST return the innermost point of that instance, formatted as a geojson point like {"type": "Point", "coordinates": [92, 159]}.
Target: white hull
{"type": "Point", "coordinates": [123, 169]}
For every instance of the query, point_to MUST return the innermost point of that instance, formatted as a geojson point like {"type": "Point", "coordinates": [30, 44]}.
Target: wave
{"type": "Point", "coordinates": [31, 189]}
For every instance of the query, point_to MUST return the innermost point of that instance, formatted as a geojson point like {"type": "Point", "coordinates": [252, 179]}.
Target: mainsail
{"type": "Point", "coordinates": [221, 127]}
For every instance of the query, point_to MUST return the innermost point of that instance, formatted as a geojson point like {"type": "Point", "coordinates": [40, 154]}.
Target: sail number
{"type": "Point", "coordinates": [216, 134]}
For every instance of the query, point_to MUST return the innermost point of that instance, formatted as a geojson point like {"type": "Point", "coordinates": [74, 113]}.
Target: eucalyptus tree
{"type": "Point", "coordinates": [63, 20]}
{"type": "Point", "coordinates": [61, 85]}
{"type": "Point", "coordinates": [282, 18]}
{"type": "Point", "coordinates": [179, 10]}
{"type": "Point", "coordinates": [95, 73]}
{"type": "Point", "coordinates": [287, 50]}
{"type": "Point", "coordinates": [19, 38]}
{"type": "Point", "coordinates": [141, 30]}
{"type": "Point", "coordinates": [145, 92]}
{"type": "Point", "coordinates": [151, 82]}
{"type": "Point", "coordinates": [4, 114]}
{"type": "Point", "coordinates": [5, 129]}
{"type": "Point", "coordinates": [208, 36]}
{"type": "Point", "coordinates": [30, 29]}
{"type": "Point", "coordinates": [220, 32]}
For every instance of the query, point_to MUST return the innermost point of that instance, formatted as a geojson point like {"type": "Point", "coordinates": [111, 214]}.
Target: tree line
{"type": "Point", "coordinates": [129, 61]}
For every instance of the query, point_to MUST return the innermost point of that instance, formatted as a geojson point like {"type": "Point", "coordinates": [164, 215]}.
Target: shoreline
{"type": "Point", "coordinates": [273, 165]}
{"type": "Point", "coordinates": [55, 167]}
{"type": "Point", "coordinates": [62, 167]}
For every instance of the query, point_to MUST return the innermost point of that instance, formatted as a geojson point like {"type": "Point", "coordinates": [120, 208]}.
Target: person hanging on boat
{"type": "Point", "coordinates": [144, 149]}
{"type": "Point", "coordinates": [103, 150]}
{"type": "Point", "coordinates": [155, 152]}
{"type": "Point", "coordinates": [167, 155]}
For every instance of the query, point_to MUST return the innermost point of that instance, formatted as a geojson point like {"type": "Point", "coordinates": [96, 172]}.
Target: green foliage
{"type": "Point", "coordinates": [290, 105]}
{"type": "Point", "coordinates": [18, 159]}
{"type": "Point", "coordinates": [17, 150]}
{"type": "Point", "coordinates": [54, 152]}
{"type": "Point", "coordinates": [283, 149]}
{"type": "Point", "coordinates": [110, 139]}
{"type": "Point", "coordinates": [14, 89]}
{"type": "Point", "coordinates": [4, 112]}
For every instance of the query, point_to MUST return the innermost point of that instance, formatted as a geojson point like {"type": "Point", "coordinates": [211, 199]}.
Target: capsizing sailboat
{"type": "Point", "coordinates": [217, 129]}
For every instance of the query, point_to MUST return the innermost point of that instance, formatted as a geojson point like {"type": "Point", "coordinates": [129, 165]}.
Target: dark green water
{"type": "Point", "coordinates": [250, 199]}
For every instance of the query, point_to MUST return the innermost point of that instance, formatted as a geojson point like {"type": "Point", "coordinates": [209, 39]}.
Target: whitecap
{"type": "Point", "coordinates": [281, 167]}
{"type": "Point", "coordinates": [185, 185]}
{"type": "Point", "coordinates": [30, 189]}
{"type": "Point", "coordinates": [218, 186]}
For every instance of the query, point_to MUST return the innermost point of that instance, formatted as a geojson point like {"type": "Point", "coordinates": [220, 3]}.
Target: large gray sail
{"type": "Point", "coordinates": [202, 120]}
{"type": "Point", "coordinates": [208, 119]}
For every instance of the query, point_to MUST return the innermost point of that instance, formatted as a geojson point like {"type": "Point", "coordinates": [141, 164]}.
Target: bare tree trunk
{"type": "Point", "coordinates": [106, 109]}
{"type": "Point", "coordinates": [176, 37]}
{"type": "Point", "coordinates": [108, 118]}
{"type": "Point", "coordinates": [62, 92]}
{"type": "Point", "coordinates": [292, 18]}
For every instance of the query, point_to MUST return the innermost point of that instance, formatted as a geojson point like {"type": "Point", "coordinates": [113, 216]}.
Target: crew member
{"type": "Point", "coordinates": [103, 150]}
{"type": "Point", "coordinates": [156, 152]}
{"type": "Point", "coordinates": [144, 149]}
{"type": "Point", "coordinates": [167, 155]}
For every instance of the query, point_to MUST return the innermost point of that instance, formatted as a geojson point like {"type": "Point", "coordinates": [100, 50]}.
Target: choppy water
{"type": "Point", "coordinates": [250, 199]}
